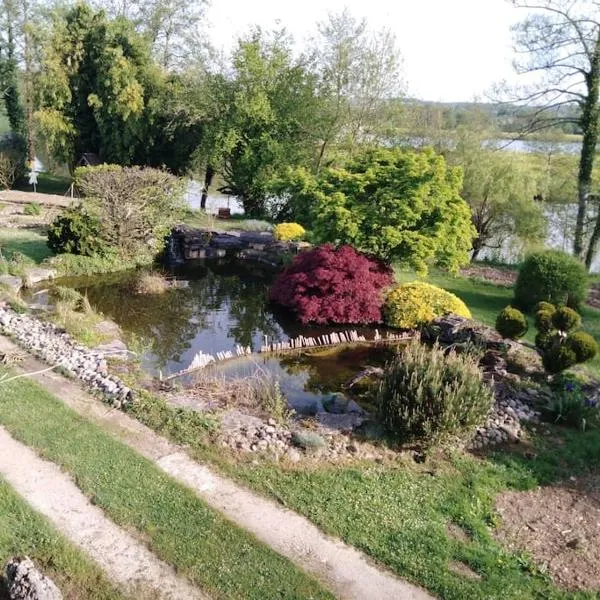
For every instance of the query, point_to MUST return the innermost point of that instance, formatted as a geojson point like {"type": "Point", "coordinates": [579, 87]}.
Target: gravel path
{"type": "Point", "coordinates": [345, 570]}
{"type": "Point", "coordinates": [126, 561]}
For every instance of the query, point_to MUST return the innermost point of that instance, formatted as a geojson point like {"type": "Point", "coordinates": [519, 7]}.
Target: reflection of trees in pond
{"type": "Point", "coordinates": [329, 369]}
{"type": "Point", "coordinates": [166, 324]}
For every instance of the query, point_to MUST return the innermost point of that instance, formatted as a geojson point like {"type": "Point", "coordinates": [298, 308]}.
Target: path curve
{"type": "Point", "coordinates": [126, 561]}
{"type": "Point", "coordinates": [349, 573]}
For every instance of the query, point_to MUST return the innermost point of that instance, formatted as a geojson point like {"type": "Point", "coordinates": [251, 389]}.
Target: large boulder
{"type": "Point", "coordinates": [25, 582]}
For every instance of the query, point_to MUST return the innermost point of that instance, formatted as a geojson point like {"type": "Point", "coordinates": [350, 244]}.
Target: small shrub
{"type": "Point", "coordinates": [583, 345]}
{"type": "Point", "coordinates": [308, 440]}
{"type": "Point", "coordinates": [33, 209]}
{"type": "Point", "coordinates": [570, 407]}
{"type": "Point", "coordinates": [333, 285]}
{"type": "Point", "coordinates": [76, 231]}
{"type": "Point", "coordinates": [544, 306]}
{"type": "Point", "coordinates": [565, 319]}
{"type": "Point", "coordinates": [551, 276]}
{"type": "Point", "coordinates": [543, 320]}
{"type": "Point", "coordinates": [410, 305]}
{"type": "Point", "coordinates": [289, 231]}
{"type": "Point", "coordinates": [432, 397]}
{"type": "Point", "coordinates": [543, 340]}
{"type": "Point", "coordinates": [151, 284]}
{"type": "Point", "coordinates": [511, 323]}
{"type": "Point", "coordinates": [67, 294]}
{"type": "Point", "coordinates": [270, 398]}
{"type": "Point", "coordinates": [557, 357]}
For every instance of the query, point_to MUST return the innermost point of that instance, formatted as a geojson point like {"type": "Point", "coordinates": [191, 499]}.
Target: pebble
{"type": "Point", "coordinates": [55, 347]}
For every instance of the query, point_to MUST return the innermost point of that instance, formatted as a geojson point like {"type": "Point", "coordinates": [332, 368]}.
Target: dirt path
{"type": "Point", "coordinates": [19, 197]}
{"type": "Point", "coordinates": [126, 561]}
{"type": "Point", "coordinates": [345, 570]}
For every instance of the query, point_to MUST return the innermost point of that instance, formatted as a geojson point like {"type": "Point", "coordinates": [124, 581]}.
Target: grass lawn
{"type": "Point", "coordinates": [47, 184]}
{"type": "Point", "coordinates": [25, 532]}
{"type": "Point", "coordinates": [29, 242]}
{"type": "Point", "coordinates": [179, 527]}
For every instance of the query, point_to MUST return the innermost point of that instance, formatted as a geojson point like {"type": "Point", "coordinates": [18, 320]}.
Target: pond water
{"type": "Point", "coordinates": [217, 305]}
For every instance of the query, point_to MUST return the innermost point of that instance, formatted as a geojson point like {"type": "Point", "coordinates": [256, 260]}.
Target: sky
{"type": "Point", "coordinates": [453, 50]}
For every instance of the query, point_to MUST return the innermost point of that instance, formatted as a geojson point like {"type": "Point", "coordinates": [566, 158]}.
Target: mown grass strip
{"type": "Point", "coordinates": [23, 531]}
{"type": "Point", "coordinates": [180, 528]}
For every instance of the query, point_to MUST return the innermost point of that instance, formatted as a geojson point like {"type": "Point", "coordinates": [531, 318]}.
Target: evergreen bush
{"type": "Point", "coordinates": [430, 396]}
{"type": "Point", "coordinates": [551, 276]}
{"type": "Point", "coordinates": [511, 323]}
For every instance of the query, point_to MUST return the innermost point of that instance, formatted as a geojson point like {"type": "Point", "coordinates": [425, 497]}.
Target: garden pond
{"type": "Point", "coordinates": [214, 306]}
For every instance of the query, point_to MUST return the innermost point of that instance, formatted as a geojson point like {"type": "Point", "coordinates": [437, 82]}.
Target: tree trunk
{"type": "Point", "coordinates": [589, 125]}
{"type": "Point", "coordinates": [208, 177]}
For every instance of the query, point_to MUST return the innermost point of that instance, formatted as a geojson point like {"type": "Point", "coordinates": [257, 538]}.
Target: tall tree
{"type": "Point", "coordinates": [360, 78]}
{"type": "Point", "coordinates": [9, 71]}
{"type": "Point", "coordinates": [500, 187]}
{"type": "Point", "coordinates": [559, 42]}
{"type": "Point", "coordinates": [98, 89]}
{"type": "Point", "coordinates": [267, 109]}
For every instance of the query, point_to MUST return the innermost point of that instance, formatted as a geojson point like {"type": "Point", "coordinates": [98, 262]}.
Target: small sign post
{"type": "Point", "coordinates": [33, 179]}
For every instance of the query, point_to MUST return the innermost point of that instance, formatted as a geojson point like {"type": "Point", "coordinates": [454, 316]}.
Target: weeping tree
{"type": "Point", "coordinates": [558, 45]}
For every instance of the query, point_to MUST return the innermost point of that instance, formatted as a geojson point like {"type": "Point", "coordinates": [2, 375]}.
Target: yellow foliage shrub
{"type": "Point", "coordinates": [289, 231]}
{"type": "Point", "coordinates": [412, 304]}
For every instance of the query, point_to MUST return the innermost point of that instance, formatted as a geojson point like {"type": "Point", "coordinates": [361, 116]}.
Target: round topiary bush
{"type": "Point", "coordinates": [551, 276]}
{"type": "Point", "coordinates": [543, 320]}
{"type": "Point", "coordinates": [543, 340]}
{"type": "Point", "coordinates": [544, 306]}
{"type": "Point", "coordinates": [583, 345]}
{"type": "Point", "coordinates": [565, 319]}
{"type": "Point", "coordinates": [511, 323]}
{"type": "Point", "coordinates": [558, 357]}
{"type": "Point", "coordinates": [333, 285]}
{"type": "Point", "coordinates": [289, 231]}
{"type": "Point", "coordinates": [410, 305]}
{"type": "Point", "coordinates": [431, 397]}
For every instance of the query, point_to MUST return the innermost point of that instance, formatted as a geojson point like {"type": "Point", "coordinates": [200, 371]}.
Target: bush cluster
{"type": "Point", "coordinates": [551, 276]}
{"type": "Point", "coordinates": [126, 211]}
{"type": "Point", "coordinates": [562, 346]}
{"type": "Point", "coordinates": [432, 397]}
{"type": "Point", "coordinates": [333, 285]}
{"type": "Point", "coordinates": [411, 305]}
{"type": "Point", "coordinates": [511, 323]}
{"type": "Point", "coordinates": [570, 406]}
{"type": "Point", "coordinates": [288, 232]}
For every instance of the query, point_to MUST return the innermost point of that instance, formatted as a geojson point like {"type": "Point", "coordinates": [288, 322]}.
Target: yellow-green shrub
{"type": "Point", "coordinates": [413, 304]}
{"type": "Point", "coordinates": [289, 231]}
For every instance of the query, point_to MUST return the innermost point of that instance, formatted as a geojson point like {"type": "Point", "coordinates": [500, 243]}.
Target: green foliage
{"type": "Point", "coordinates": [133, 209]}
{"type": "Point", "coordinates": [545, 306]}
{"type": "Point", "coordinates": [557, 357]}
{"type": "Point", "coordinates": [543, 340]}
{"type": "Point", "coordinates": [499, 187]}
{"type": "Point", "coordinates": [561, 346]}
{"type": "Point", "coordinates": [13, 155]}
{"type": "Point", "coordinates": [397, 204]}
{"type": "Point", "coordinates": [565, 319]}
{"type": "Point", "coordinates": [551, 276]}
{"type": "Point", "coordinates": [569, 406]}
{"type": "Point", "coordinates": [413, 304]}
{"type": "Point", "coordinates": [266, 118]}
{"type": "Point", "coordinates": [432, 397]}
{"type": "Point", "coordinates": [583, 345]}
{"type": "Point", "coordinates": [33, 209]}
{"type": "Point", "coordinates": [76, 231]}
{"type": "Point", "coordinates": [99, 98]}
{"type": "Point", "coordinates": [543, 320]}
{"type": "Point", "coordinates": [511, 323]}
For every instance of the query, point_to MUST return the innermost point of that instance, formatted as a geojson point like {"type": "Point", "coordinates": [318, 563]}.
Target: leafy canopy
{"type": "Point", "coordinates": [396, 204]}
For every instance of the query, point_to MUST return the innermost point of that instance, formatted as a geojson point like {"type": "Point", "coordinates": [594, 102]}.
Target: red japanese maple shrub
{"type": "Point", "coordinates": [333, 285]}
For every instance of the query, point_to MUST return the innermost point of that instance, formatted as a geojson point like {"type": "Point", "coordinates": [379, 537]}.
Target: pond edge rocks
{"type": "Point", "coordinates": [56, 348]}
